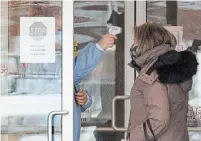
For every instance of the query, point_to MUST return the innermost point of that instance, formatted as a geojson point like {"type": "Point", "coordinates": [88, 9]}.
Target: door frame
{"type": "Point", "coordinates": [67, 60]}
{"type": "Point", "coordinates": [129, 72]}
{"type": "Point", "coordinates": [67, 70]}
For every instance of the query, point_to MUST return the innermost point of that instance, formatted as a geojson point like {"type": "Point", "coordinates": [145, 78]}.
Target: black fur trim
{"type": "Point", "coordinates": [176, 67]}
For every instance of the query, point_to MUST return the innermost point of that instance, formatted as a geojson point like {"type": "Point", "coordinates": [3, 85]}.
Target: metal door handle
{"type": "Point", "coordinates": [50, 117]}
{"type": "Point", "coordinates": [114, 111]}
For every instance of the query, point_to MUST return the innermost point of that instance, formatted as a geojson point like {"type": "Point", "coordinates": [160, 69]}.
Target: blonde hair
{"type": "Point", "coordinates": [150, 35]}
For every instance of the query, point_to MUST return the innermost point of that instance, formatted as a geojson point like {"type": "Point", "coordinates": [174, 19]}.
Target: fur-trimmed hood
{"type": "Point", "coordinates": [176, 67]}
{"type": "Point", "coordinates": [171, 66]}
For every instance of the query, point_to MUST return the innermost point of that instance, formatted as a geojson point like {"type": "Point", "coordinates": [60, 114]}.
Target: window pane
{"type": "Point", "coordinates": [29, 89]}
{"type": "Point", "coordinates": [189, 16]}
{"type": "Point", "coordinates": [107, 79]}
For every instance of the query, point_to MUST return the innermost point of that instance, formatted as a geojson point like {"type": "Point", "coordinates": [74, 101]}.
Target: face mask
{"type": "Point", "coordinates": [133, 55]}
{"type": "Point", "coordinates": [133, 52]}
{"type": "Point", "coordinates": [199, 48]}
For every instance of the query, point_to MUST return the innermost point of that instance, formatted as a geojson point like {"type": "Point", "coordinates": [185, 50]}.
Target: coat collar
{"type": "Point", "coordinates": [147, 60]}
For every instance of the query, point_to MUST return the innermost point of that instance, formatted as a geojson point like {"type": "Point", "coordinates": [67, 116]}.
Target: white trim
{"type": "Point", "coordinates": [99, 47]}
{"type": "Point", "coordinates": [3, 42]}
{"type": "Point", "coordinates": [177, 31]}
{"type": "Point", "coordinates": [141, 12]}
{"type": "Point", "coordinates": [67, 71]}
{"type": "Point", "coordinates": [29, 105]}
{"type": "Point", "coordinates": [129, 72]}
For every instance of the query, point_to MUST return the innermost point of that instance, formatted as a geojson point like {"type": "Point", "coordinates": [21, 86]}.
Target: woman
{"type": "Point", "coordinates": [159, 97]}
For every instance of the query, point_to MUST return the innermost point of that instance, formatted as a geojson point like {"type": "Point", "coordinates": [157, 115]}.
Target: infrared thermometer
{"type": "Point", "coordinates": [115, 30]}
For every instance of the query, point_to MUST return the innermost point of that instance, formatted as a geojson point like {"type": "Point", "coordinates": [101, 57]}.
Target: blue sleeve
{"type": "Point", "coordinates": [85, 61]}
{"type": "Point", "coordinates": [89, 102]}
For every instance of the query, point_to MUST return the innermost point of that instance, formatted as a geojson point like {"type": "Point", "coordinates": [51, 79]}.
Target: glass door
{"type": "Point", "coordinates": [31, 100]}
{"type": "Point", "coordinates": [92, 20]}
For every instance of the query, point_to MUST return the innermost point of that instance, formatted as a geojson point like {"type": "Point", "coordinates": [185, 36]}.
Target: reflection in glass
{"type": "Point", "coordinates": [25, 86]}
{"type": "Point", "coordinates": [91, 21]}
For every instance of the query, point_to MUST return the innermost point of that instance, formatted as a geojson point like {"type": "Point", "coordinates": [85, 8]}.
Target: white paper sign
{"type": "Point", "coordinates": [177, 31]}
{"type": "Point", "coordinates": [37, 39]}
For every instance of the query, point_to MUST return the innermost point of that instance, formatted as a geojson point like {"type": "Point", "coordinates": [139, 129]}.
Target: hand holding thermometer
{"type": "Point", "coordinates": [115, 30]}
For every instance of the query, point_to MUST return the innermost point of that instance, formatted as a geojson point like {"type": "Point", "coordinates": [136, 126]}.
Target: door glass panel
{"type": "Point", "coordinates": [30, 90]}
{"type": "Point", "coordinates": [188, 15]}
{"type": "Point", "coordinates": [107, 80]}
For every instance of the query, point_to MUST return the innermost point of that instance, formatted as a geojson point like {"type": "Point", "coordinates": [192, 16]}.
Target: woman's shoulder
{"type": "Point", "coordinates": [145, 87]}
